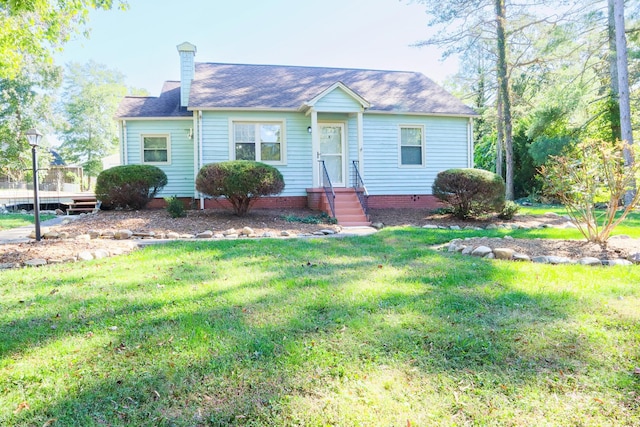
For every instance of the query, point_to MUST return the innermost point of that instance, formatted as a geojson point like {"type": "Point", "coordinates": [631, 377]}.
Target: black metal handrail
{"type": "Point", "coordinates": [328, 189]}
{"type": "Point", "coordinates": [360, 188]}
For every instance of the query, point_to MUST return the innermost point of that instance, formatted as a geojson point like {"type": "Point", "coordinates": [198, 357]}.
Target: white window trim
{"type": "Point", "coordinates": [423, 146]}
{"type": "Point", "coordinates": [259, 121]}
{"type": "Point", "coordinates": [155, 135]}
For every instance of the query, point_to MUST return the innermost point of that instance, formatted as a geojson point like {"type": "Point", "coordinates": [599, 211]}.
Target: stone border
{"type": "Point", "coordinates": [508, 254]}
{"type": "Point", "coordinates": [138, 238]}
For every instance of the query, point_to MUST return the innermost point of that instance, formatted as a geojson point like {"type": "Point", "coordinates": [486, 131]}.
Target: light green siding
{"type": "Point", "coordinates": [180, 171]}
{"type": "Point", "coordinates": [446, 147]}
{"type": "Point", "coordinates": [337, 101]}
{"type": "Point", "coordinates": [297, 170]}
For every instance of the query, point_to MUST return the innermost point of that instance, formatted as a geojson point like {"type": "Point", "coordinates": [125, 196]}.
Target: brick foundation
{"type": "Point", "coordinates": [416, 201]}
{"type": "Point", "coordinates": [294, 202]}
{"type": "Point", "coordinates": [314, 200]}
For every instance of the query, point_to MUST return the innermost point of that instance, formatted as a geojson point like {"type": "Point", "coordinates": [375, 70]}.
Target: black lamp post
{"type": "Point", "coordinates": [34, 137]}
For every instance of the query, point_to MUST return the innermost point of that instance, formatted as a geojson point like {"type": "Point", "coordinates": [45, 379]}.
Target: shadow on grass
{"type": "Point", "coordinates": [224, 333]}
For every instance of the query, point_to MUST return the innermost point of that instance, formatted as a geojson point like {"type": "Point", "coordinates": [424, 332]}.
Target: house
{"type": "Point", "coordinates": [388, 132]}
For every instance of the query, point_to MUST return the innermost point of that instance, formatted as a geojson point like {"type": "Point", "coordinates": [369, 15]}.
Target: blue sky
{"type": "Point", "coordinates": [141, 42]}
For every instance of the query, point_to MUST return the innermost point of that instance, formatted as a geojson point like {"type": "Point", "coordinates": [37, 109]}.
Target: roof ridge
{"type": "Point", "coordinates": [317, 67]}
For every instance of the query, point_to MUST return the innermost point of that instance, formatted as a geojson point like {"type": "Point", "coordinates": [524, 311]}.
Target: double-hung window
{"type": "Point", "coordinates": [412, 146]}
{"type": "Point", "coordinates": [259, 141]}
{"type": "Point", "coordinates": [156, 149]}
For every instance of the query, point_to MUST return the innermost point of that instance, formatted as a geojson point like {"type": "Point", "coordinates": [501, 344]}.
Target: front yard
{"type": "Point", "coordinates": [376, 330]}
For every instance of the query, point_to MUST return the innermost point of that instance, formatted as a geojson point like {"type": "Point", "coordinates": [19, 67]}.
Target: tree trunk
{"type": "Point", "coordinates": [505, 97]}
{"type": "Point", "coordinates": [623, 88]}
{"type": "Point", "coordinates": [614, 105]}
{"type": "Point", "coordinates": [500, 141]}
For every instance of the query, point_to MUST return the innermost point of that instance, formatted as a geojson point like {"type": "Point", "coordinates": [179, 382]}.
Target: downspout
{"type": "Point", "coordinates": [196, 139]}
{"type": "Point", "coordinates": [470, 147]}
{"type": "Point", "coordinates": [200, 151]}
{"type": "Point", "coordinates": [125, 144]}
{"type": "Point", "coordinates": [360, 125]}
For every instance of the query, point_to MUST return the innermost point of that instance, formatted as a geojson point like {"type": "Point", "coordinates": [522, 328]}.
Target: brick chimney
{"type": "Point", "coordinates": [187, 53]}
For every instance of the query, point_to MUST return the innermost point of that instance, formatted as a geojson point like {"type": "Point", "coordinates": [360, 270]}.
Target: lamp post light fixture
{"type": "Point", "coordinates": [34, 137]}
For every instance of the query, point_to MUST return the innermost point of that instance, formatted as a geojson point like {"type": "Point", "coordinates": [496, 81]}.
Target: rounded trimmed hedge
{"type": "Point", "coordinates": [129, 186]}
{"type": "Point", "coordinates": [242, 182]}
{"type": "Point", "coordinates": [470, 192]}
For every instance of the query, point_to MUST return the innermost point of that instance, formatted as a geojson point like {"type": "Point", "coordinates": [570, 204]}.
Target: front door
{"type": "Point", "coordinates": [332, 151]}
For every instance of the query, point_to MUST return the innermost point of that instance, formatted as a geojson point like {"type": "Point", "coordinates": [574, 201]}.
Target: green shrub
{"type": "Point", "coordinates": [242, 182]}
{"type": "Point", "coordinates": [175, 207]}
{"type": "Point", "coordinates": [509, 210]}
{"type": "Point", "coordinates": [470, 192]}
{"type": "Point", "coordinates": [129, 186]}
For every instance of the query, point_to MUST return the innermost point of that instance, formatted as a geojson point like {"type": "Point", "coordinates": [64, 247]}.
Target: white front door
{"type": "Point", "coordinates": [332, 151]}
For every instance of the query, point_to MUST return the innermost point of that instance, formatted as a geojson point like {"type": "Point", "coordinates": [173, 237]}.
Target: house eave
{"type": "Point", "coordinates": [414, 113]}
{"type": "Point", "coordinates": [153, 118]}
{"type": "Point", "coordinates": [260, 109]}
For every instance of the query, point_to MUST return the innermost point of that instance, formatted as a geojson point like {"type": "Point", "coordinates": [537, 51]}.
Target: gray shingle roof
{"type": "Point", "coordinates": [166, 105]}
{"type": "Point", "coordinates": [289, 87]}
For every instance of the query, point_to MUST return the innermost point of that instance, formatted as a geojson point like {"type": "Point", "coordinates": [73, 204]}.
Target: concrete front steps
{"type": "Point", "coordinates": [349, 212]}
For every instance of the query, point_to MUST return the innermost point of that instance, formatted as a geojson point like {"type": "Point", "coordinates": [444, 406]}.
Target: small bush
{"type": "Point", "coordinates": [242, 182]}
{"type": "Point", "coordinates": [129, 186]}
{"type": "Point", "coordinates": [470, 192]}
{"type": "Point", "coordinates": [322, 218]}
{"type": "Point", "coordinates": [590, 174]}
{"type": "Point", "coordinates": [175, 207]}
{"type": "Point", "coordinates": [509, 210]}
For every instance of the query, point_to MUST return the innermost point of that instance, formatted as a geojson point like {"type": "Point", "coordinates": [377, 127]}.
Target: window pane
{"type": "Point", "coordinates": [411, 136]}
{"type": "Point", "coordinates": [269, 133]}
{"type": "Point", "coordinates": [155, 142]}
{"type": "Point", "coordinates": [245, 132]}
{"type": "Point", "coordinates": [155, 155]}
{"type": "Point", "coordinates": [411, 155]}
{"type": "Point", "coordinates": [245, 151]}
{"type": "Point", "coordinates": [270, 152]}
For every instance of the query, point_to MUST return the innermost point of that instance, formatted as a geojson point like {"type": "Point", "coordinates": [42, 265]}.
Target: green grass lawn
{"type": "Point", "coordinates": [8, 221]}
{"type": "Point", "coordinates": [375, 331]}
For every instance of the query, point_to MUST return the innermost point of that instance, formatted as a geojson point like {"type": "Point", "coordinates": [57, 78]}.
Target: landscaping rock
{"type": "Point", "coordinates": [508, 238]}
{"type": "Point", "coordinates": [63, 235]}
{"type": "Point", "coordinates": [491, 227]}
{"type": "Point", "coordinates": [634, 258]}
{"type": "Point", "coordinates": [517, 256]}
{"type": "Point", "coordinates": [208, 234]}
{"type": "Point", "coordinates": [83, 238]}
{"type": "Point", "coordinates": [589, 261]}
{"type": "Point", "coordinates": [318, 233]}
{"type": "Point", "coordinates": [490, 255]}
{"type": "Point", "coordinates": [454, 227]}
{"type": "Point", "coordinates": [503, 253]}
{"type": "Point", "coordinates": [144, 234]}
{"type": "Point", "coordinates": [85, 256]}
{"type": "Point", "coordinates": [551, 259]}
{"type": "Point", "coordinates": [123, 234]}
{"type": "Point", "coordinates": [229, 232]}
{"type": "Point", "coordinates": [466, 250]}
{"type": "Point", "coordinates": [218, 236]}
{"type": "Point", "coordinates": [247, 231]}
{"type": "Point", "coordinates": [8, 265]}
{"type": "Point", "coordinates": [378, 225]}
{"type": "Point", "coordinates": [173, 235]}
{"type": "Point", "coordinates": [285, 233]}
{"type": "Point", "coordinates": [481, 251]}
{"type": "Point", "coordinates": [612, 262]}
{"type": "Point", "coordinates": [327, 231]}
{"type": "Point", "coordinates": [230, 236]}
{"type": "Point", "coordinates": [51, 235]}
{"type": "Point", "coordinates": [94, 234]}
{"type": "Point", "coordinates": [36, 262]}
{"type": "Point", "coordinates": [100, 253]}
{"type": "Point", "coordinates": [429, 226]}
{"type": "Point", "coordinates": [268, 234]}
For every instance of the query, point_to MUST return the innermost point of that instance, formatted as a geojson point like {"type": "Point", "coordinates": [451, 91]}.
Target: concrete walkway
{"type": "Point", "coordinates": [21, 234]}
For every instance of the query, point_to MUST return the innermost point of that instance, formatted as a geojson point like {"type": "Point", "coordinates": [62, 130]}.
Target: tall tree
{"type": "Point", "coordinates": [26, 101]}
{"type": "Point", "coordinates": [33, 29]}
{"type": "Point", "coordinates": [91, 96]}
